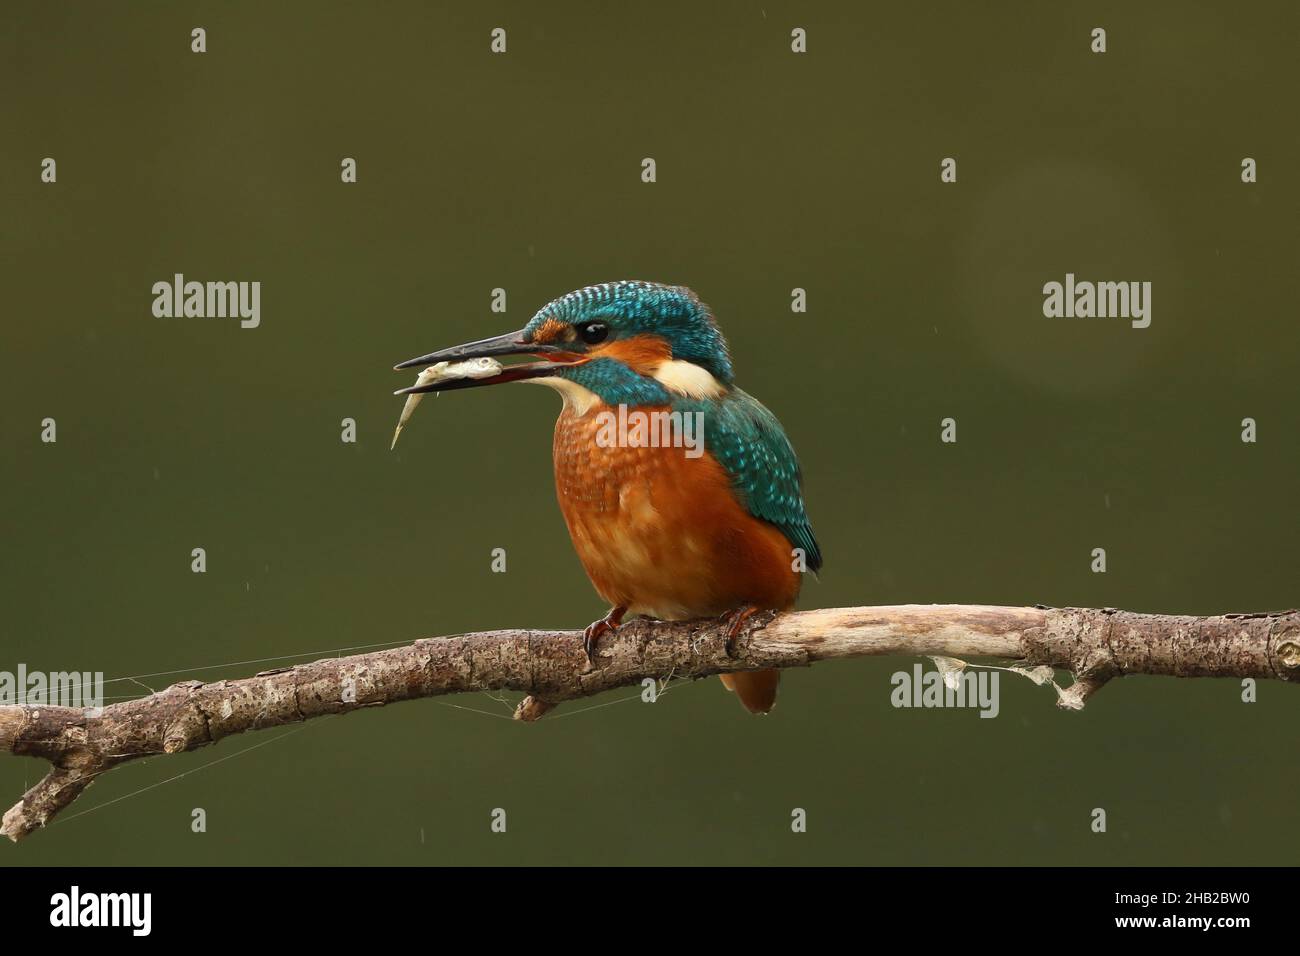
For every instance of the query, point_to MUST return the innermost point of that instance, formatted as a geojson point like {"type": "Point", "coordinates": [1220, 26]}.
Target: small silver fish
{"type": "Point", "coordinates": [472, 368]}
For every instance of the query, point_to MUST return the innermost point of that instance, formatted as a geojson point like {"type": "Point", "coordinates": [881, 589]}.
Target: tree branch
{"type": "Point", "coordinates": [1094, 645]}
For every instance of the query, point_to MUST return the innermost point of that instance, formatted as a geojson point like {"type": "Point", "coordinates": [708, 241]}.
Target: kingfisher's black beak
{"type": "Point", "coordinates": [512, 343]}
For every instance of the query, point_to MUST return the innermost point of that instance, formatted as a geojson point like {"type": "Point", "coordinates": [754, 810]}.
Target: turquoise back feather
{"type": "Point", "coordinates": [750, 444]}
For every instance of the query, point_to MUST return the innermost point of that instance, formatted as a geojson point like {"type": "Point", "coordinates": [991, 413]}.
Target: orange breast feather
{"type": "Point", "coordinates": [662, 533]}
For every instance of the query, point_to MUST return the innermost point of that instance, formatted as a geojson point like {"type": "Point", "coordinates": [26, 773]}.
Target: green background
{"type": "Point", "coordinates": [775, 170]}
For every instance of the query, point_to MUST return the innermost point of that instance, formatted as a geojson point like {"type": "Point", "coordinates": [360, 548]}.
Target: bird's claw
{"type": "Point", "coordinates": [735, 620]}
{"type": "Point", "coordinates": [594, 631]}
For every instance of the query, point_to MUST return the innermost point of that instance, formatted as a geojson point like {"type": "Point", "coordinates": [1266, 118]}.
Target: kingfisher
{"type": "Point", "coordinates": [663, 529]}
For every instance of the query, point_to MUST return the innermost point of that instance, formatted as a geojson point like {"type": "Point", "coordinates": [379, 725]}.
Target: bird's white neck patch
{"type": "Point", "coordinates": [688, 379]}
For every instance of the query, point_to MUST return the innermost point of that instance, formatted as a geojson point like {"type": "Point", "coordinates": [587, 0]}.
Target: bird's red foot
{"type": "Point", "coordinates": [598, 629]}
{"type": "Point", "coordinates": [735, 619]}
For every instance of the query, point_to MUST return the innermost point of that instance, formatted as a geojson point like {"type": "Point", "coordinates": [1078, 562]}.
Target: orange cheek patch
{"type": "Point", "coordinates": [641, 353]}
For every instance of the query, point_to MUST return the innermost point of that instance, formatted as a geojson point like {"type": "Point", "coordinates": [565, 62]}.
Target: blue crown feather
{"type": "Point", "coordinates": [632, 307]}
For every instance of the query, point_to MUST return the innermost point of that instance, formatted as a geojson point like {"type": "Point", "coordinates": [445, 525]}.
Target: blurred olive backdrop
{"type": "Point", "coordinates": [775, 171]}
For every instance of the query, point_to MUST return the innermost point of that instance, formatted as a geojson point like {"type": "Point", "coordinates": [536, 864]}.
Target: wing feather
{"type": "Point", "coordinates": [749, 442]}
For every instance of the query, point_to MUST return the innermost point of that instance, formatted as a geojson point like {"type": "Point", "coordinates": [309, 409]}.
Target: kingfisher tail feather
{"type": "Point", "coordinates": [756, 689]}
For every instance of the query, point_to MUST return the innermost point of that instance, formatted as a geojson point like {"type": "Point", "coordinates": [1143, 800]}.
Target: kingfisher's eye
{"type": "Point", "coordinates": [593, 332]}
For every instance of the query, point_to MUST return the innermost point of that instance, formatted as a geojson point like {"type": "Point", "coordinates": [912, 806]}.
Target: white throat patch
{"type": "Point", "coordinates": [577, 399]}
